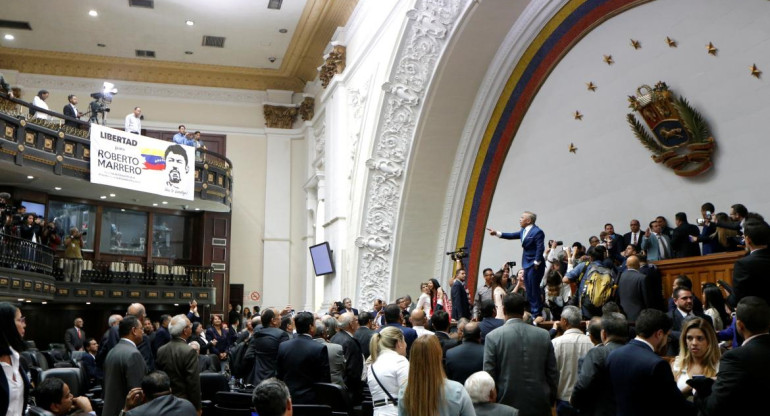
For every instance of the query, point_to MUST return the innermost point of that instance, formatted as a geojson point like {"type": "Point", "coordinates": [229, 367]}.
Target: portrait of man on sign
{"type": "Point", "coordinates": [176, 163]}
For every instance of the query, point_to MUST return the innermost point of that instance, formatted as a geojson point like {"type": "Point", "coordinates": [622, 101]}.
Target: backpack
{"type": "Point", "coordinates": [235, 359]}
{"type": "Point", "coordinates": [599, 288]}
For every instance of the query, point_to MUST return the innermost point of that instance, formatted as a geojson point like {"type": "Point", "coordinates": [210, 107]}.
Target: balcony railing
{"type": "Point", "coordinates": [51, 145]}
{"type": "Point", "coordinates": [18, 253]}
{"type": "Point", "coordinates": [137, 273]}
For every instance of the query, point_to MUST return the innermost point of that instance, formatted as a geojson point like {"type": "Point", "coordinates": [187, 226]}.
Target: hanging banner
{"type": "Point", "coordinates": [130, 161]}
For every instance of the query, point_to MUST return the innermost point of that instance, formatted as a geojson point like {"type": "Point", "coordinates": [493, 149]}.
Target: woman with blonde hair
{"type": "Point", "coordinates": [428, 392]}
{"type": "Point", "coordinates": [387, 369]}
{"type": "Point", "coordinates": [698, 353]}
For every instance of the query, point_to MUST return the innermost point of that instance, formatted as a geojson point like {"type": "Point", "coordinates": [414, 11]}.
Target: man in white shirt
{"type": "Point", "coordinates": [39, 101]}
{"type": "Point", "coordinates": [133, 122]}
{"type": "Point", "coordinates": [569, 349]}
{"type": "Point", "coordinates": [418, 320]}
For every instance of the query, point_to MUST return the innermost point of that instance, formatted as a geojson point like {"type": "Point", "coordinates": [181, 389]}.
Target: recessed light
{"type": "Point", "coordinates": [103, 197]}
{"type": "Point", "coordinates": [176, 304]}
{"type": "Point", "coordinates": [101, 45]}
{"type": "Point", "coordinates": [28, 301]}
{"type": "Point", "coordinates": [30, 177]}
{"type": "Point", "coordinates": [189, 23]}
{"type": "Point", "coordinates": [88, 303]}
{"type": "Point", "coordinates": [44, 302]}
{"type": "Point", "coordinates": [188, 52]}
{"type": "Point", "coordinates": [58, 188]}
{"type": "Point", "coordinates": [164, 203]}
{"type": "Point", "coordinates": [9, 36]}
{"type": "Point", "coordinates": [112, 195]}
{"type": "Point", "coordinates": [155, 204]}
{"type": "Point", "coordinates": [20, 300]}
{"type": "Point", "coordinates": [122, 210]}
{"type": "Point", "coordinates": [197, 209]}
{"type": "Point", "coordinates": [93, 13]}
{"type": "Point", "coordinates": [282, 30]}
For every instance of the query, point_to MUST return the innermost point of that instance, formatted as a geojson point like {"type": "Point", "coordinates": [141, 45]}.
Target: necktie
{"type": "Point", "coordinates": [79, 334]}
{"type": "Point", "coordinates": [633, 239]}
{"type": "Point", "coordinates": [665, 253]}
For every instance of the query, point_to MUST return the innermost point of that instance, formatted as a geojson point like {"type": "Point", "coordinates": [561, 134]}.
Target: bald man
{"type": "Point", "coordinates": [466, 358]}
{"type": "Point", "coordinates": [137, 310]}
{"type": "Point", "coordinates": [633, 290]}
{"type": "Point", "coordinates": [418, 320]}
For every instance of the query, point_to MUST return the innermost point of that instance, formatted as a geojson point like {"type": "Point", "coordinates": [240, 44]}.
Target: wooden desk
{"type": "Point", "coordinates": [702, 269]}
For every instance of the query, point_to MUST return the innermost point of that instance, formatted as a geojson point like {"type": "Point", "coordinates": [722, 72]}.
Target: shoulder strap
{"type": "Point", "coordinates": [381, 386]}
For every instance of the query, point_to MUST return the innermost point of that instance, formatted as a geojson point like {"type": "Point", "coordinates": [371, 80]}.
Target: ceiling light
{"type": "Point", "coordinates": [155, 204]}
{"type": "Point", "coordinates": [44, 303]}
{"type": "Point", "coordinates": [122, 210]}
{"type": "Point", "coordinates": [20, 300]}
{"type": "Point", "coordinates": [189, 23]}
{"type": "Point", "coordinates": [283, 30]}
{"type": "Point", "coordinates": [176, 304]}
{"type": "Point", "coordinates": [88, 303]}
{"type": "Point", "coordinates": [112, 195]}
{"type": "Point", "coordinates": [164, 203]}
{"type": "Point", "coordinates": [58, 188]}
{"type": "Point", "coordinates": [93, 13]}
{"type": "Point", "coordinates": [9, 36]}
{"type": "Point", "coordinates": [30, 177]}
{"type": "Point", "coordinates": [197, 209]}
{"type": "Point", "coordinates": [103, 197]}
{"type": "Point", "coordinates": [28, 301]}
{"type": "Point", "coordinates": [274, 4]}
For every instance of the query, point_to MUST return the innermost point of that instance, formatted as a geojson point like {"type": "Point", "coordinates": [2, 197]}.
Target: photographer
{"type": "Point", "coordinates": [6, 212]}
{"type": "Point", "coordinates": [51, 237]}
{"type": "Point", "coordinates": [73, 257]}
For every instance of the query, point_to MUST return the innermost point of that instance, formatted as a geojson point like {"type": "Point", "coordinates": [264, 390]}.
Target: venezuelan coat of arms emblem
{"type": "Point", "coordinates": [680, 137]}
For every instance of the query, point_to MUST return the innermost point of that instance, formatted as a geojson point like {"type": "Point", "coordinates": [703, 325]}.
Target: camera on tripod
{"type": "Point", "coordinates": [100, 104]}
{"type": "Point", "coordinates": [458, 254]}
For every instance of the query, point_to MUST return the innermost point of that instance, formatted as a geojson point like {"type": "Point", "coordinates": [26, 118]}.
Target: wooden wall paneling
{"type": "Point", "coordinates": [703, 269]}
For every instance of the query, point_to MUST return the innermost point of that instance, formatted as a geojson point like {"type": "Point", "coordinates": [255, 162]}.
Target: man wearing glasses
{"type": "Point", "coordinates": [124, 366]}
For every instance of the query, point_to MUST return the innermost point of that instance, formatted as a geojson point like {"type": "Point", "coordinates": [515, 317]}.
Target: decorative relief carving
{"type": "Point", "coordinates": [425, 38]}
{"type": "Point", "coordinates": [280, 117]}
{"type": "Point", "coordinates": [357, 98]}
{"type": "Point", "coordinates": [334, 64]}
{"type": "Point", "coordinates": [307, 108]}
{"type": "Point", "coordinates": [319, 133]}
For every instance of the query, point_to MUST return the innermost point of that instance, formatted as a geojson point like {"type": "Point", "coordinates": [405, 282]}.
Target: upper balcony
{"type": "Point", "coordinates": [47, 155]}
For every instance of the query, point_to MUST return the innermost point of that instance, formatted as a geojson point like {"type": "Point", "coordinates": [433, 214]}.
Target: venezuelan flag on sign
{"type": "Point", "coordinates": [153, 159]}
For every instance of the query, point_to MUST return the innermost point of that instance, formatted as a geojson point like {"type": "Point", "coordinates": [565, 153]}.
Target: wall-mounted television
{"type": "Point", "coordinates": [34, 208]}
{"type": "Point", "coordinates": [322, 259]}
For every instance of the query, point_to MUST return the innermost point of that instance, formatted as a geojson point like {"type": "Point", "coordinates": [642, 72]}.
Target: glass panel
{"type": "Point", "coordinates": [168, 237]}
{"type": "Point", "coordinates": [67, 215]}
{"type": "Point", "coordinates": [123, 232]}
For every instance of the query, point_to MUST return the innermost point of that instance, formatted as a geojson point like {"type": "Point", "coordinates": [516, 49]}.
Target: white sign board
{"type": "Point", "coordinates": [130, 161]}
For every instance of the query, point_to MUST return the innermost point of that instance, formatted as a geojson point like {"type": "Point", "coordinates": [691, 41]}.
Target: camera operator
{"type": "Point", "coordinates": [73, 257]}
{"type": "Point", "coordinates": [51, 237]}
{"type": "Point", "coordinates": [6, 212]}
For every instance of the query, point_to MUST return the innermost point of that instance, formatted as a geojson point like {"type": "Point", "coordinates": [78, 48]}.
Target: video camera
{"type": "Point", "coordinates": [100, 104]}
{"type": "Point", "coordinates": [458, 254]}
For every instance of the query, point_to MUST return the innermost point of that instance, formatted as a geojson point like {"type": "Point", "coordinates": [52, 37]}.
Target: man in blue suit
{"type": "Point", "coordinates": [642, 381]}
{"type": "Point", "coordinates": [533, 244]}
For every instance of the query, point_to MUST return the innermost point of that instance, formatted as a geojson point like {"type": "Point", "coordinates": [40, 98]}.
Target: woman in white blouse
{"type": "Point", "coordinates": [14, 386]}
{"type": "Point", "coordinates": [424, 301]}
{"type": "Point", "coordinates": [387, 369]}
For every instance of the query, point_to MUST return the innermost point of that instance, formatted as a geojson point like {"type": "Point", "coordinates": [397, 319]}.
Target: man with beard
{"type": "Point", "coordinates": [176, 162]}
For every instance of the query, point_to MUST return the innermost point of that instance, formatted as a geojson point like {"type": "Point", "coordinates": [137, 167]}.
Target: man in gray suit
{"type": "Point", "coordinates": [154, 398]}
{"type": "Point", "coordinates": [124, 366]}
{"type": "Point", "coordinates": [180, 361]}
{"type": "Point", "coordinates": [520, 358]}
{"type": "Point", "coordinates": [324, 330]}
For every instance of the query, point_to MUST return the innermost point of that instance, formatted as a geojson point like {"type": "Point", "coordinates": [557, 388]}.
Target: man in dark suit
{"type": "Point", "coordinates": [354, 357]}
{"type": "Point", "coordinates": [303, 362]}
{"type": "Point", "coordinates": [145, 348]}
{"type": "Point", "coordinates": [461, 307]}
{"type": "Point", "coordinates": [642, 381]}
{"type": "Point", "coordinates": [488, 321]}
{"type": "Point", "coordinates": [654, 281]}
{"type": "Point", "coordinates": [53, 395]}
{"type": "Point", "coordinates": [750, 272]}
{"type": "Point", "coordinates": [533, 245]}
{"type": "Point", "coordinates": [633, 237]}
{"type": "Point", "coordinates": [440, 323]}
{"type": "Point", "coordinates": [95, 374]}
{"type": "Point", "coordinates": [154, 398]}
{"type": "Point", "coordinates": [205, 365]}
{"type": "Point", "coordinates": [180, 362]}
{"type": "Point", "coordinates": [615, 243]}
{"type": "Point", "coordinates": [71, 110]}
{"type": "Point", "coordinates": [681, 242]}
{"type": "Point", "coordinates": [742, 380]}
{"type": "Point", "coordinates": [348, 304]}
{"type": "Point", "coordinates": [263, 347]}
{"type": "Point", "coordinates": [74, 337]}
{"type": "Point", "coordinates": [466, 358]}
{"type": "Point", "coordinates": [520, 358]}
{"type": "Point", "coordinates": [162, 336]}
{"type": "Point", "coordinates": [124, 366]}
{"type": "Point", "coordinates": [393, 317]}
{"type": "Point", "coordinates": [683, 298]}
{"type": "Point", "coordinates": [634, 293]}
{"type": "Point", "coordinates": [365, 331]}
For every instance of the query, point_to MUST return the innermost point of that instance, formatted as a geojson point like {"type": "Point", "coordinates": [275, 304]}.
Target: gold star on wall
{"type": "Point", "coordinates": [755, 72]}
{"type": "Point", "coordinates": [608, 59]}
{"type": "Point", "coordinates": [572, 148]}
{"type": "Point", "coordinates": [712, 50]}
{"type": "Point", "coordinates": [636, 44]}
{"type": "Point", "coordinates": [591, 86]}
{"type": "Point", "coordinates": [671, 42]}
{"type": "Point", "coordinates": [578, 116]}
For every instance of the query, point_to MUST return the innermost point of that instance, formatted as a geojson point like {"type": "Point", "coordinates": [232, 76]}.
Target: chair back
{"type": "Point", "coordinates": [233, 400]}
{"type": "Point", "coordinates": [77, 355]}
{"type": "Point", "coordinates": [211, 383]}
{"type": "Point", "coordinates": [311, 410]}
{"type": "Point", "coordinates": [71, 376]}
{"type": "Point", "coordinates": [38, 411]}
{"type": "Point", "coordinates": [332, 395]}
{"type": "Point", "coordinates": [226, 411]}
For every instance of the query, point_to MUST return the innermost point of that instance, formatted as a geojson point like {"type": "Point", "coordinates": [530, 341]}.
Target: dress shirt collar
{"type": "Point", "coordinates": [752, 337]}
{"type": "Point", "coordinates": [683, 313]}
{"type": "Point", "coordinates": [645, 342]}
{"type": "Point", "coordinates": [573, 331]}
{"type": "Point", "coordinates": [513, 320]}
{"type": "Point", "coordinates": [128, 340]}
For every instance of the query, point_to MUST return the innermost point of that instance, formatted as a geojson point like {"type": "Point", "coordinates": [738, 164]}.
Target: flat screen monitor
{"type": "Point", "coordinates": [322, 259]}
{"type": "Point", "coordinates": [34, 208]}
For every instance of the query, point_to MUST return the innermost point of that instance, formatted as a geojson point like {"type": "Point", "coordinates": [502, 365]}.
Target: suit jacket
{"type": "Point", "coordinates": [655, 284]}
{"type": "Point", "coordinates": [162, 337]}
{"type": "Point", "coordinates": [680, 242]}
{"type": "Point", "coordinates": [446, 341]}
{"type": "Point", "coordinates": [354, 363]}
{"type": "Point", "coordinates": [263, 352]}
{"type": "Point", "coordinates": [742, 381]}
{"type": "Point", "coordinates": [336, 362]}
{"type": "Point", "coordinates": [521, 360]}
{"type": "Point", "coordinates": [676, 329]}
{"type": "Point", "coordinates": [627, 240]}
{"type": "Point", "coordinates": [180, 362]}
{"type": "Point", "coordinates": [533, 245]}
{"type": "Point", "coordinates": [168, 405]}
{"type": "Point", "coordinates": [112, 339]}
{"type": "Point", "coordinates": [592, 394]}
{"type": "Point", "coordinates": [223, 341]}
{"type": "Point", "coordinates": [487, 325]}
{"type": "Point", "coordinates": [364, 336]}
{"type": "Point", "coordinates": [643, 383]}
{"type": "Point", "coordinates": [94, 373]}
{"type": "Point", "coordinates": [205, 365]}
{"type": "Point", "coordinates": [72, 341]}
{"type": "Point", "coordinates": [124, 368]}
{"type": "Point", "coordinates": [409, 335]}
{"type": "Point", "coordinates": [461, 308]}
{"type": "Point", "coordinates": [750, 276]}
{"type": "Point", "coordinates": [70, 112]}
{"type": "Point", "coordinates": [634, 293]}
{"type": "Point", "coordinates": [464, 360]}
{"type": "Point", "coordinates": [494, 409]}
{"type": "Point", "coordinates": [301, 363]}
{"type": "Point", "coordinates": [651, 246]}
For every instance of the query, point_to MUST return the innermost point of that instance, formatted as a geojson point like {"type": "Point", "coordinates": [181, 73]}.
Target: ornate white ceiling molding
{"type": "Point", "coordinates": [425, 38]}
